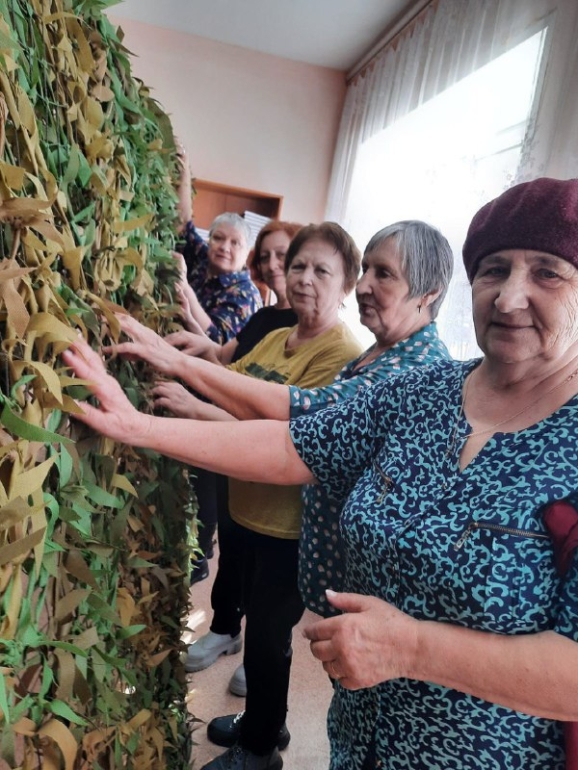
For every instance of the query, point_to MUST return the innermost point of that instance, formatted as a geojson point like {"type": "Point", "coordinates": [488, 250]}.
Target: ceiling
{"type": "Point", "coordinates": [328, 33]}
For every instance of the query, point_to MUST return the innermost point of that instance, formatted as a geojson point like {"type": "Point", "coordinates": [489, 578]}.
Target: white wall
{"type": "Point", "coordinates": [246, 119]}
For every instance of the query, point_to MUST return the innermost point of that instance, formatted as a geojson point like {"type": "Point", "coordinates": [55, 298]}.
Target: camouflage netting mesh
{"type": "Point", "coordinates": [93, 536]}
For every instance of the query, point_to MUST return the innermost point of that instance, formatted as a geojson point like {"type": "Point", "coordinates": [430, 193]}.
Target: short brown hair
{"type": "Point", "coordinates": [336, 236]}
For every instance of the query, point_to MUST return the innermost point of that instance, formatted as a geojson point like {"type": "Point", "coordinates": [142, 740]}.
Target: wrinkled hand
{"type": "Point", "coordinates": [147, 345]}
{"type": "Point", "coordinates": [190, 343]}
{"type": "Point", "coordinates": [177, 399]}
{"type": "Point", "coordinates": [115, 416]}
{"type": "Point", "coordinates": [371, 642]}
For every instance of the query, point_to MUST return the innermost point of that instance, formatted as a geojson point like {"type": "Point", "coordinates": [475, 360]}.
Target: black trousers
{"type": "Point", "coordinates": [273, 608]}
{"type": "Point", "coordinates": [231, 587]}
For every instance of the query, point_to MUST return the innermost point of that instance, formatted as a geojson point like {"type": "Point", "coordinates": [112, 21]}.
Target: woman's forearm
{"type": "Point", "coordinates": [214, 413]}
{"type": "Point", "coordinates": [224, 353]}
{"type": "Point", "coordinates": [536, 673]}
{"type": "Point", "coordinates": [199, 315]}
{"type": "Point", "coordinates": [259, 450]}
{"type": "Point", "coordinates": [218, 446]}
{"type": "Point", "coordinates": [246, 398]}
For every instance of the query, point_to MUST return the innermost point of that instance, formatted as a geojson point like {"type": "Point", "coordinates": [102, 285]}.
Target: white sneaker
{"type": "Point", "coordinates": [238, 682]}
{"type": "Point", "coordinates": [205, 651]}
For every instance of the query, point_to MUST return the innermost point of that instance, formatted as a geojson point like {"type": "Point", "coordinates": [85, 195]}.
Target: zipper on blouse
{"type": "Point", "coordinates": [387, 481]}
{"type": "Point", "coordinates": [474, 525]}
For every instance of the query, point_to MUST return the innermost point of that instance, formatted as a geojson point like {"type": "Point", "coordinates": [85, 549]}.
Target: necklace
{"type": "Point", "coordinates": [453, 440]}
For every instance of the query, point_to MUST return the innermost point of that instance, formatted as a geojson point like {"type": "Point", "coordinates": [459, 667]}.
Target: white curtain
{"type": "Point", "coordinates": [450, 40]}
{"type": "Point", "coordinates": [551, 143]}
{"type": "Point", "coordinates": [391, 162]}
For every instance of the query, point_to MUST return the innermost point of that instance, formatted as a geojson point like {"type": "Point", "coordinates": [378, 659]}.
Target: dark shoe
{"type": "Point", "coordinates": [226, 731]}
{"type": "Point", "coordinates": [200, 571]}
{"type": "Point", "coordinates": [237, 758]}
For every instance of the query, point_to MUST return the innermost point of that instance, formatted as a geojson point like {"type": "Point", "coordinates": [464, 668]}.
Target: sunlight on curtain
{"type": "Point", "coordinates": [440, 163]}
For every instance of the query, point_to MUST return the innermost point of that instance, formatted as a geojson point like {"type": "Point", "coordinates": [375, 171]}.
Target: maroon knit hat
{"type": "Point", "coordinates": [541, 215]}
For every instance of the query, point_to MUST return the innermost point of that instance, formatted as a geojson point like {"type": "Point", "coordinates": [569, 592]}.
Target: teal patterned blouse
{"type": "Point", "coordinates": [468, 548]}
{"type": "Point", "coordinates": [320, 552]}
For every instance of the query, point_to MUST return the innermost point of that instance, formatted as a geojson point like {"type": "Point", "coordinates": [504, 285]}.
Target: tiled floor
{"type": "Point", "coordinates": [309, 694]}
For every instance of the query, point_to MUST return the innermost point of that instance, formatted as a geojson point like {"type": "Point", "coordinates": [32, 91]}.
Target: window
{"type": "Point", "coordinates": [441, 162]}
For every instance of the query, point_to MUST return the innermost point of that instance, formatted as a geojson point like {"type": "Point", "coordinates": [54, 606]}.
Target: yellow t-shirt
{"type": "Point", "coordinates": [267, 508]}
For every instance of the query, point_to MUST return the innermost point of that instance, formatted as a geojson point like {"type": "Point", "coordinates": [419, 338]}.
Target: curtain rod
{"type": "Point", "coordinates": [388, 37]}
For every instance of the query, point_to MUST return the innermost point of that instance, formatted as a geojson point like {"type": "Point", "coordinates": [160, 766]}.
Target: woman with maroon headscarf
{"type": "Point", "coordinates": [457, 646]}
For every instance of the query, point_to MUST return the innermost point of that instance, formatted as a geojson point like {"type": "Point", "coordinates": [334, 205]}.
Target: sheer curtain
{"type": "Point", "coordinates": [475, 95]}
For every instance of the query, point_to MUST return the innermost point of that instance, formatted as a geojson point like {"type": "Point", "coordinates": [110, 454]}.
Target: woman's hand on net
{"type": "Point", "coordinates": [176, 399]}
{"type": "Point", "coordinates": [146, 345]}
{"type": "Point", "coordinates": [114, 416]}
{"type": "Point", "coordinates": [191, 343]}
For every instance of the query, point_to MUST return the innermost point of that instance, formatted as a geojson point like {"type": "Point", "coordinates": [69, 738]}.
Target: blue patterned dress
{"type": "Point", "coordinates": [322, 567]}
{"type": "Point", "coordinates": [465, 547]}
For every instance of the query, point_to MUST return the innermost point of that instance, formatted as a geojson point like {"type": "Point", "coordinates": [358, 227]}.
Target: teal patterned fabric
{"type": "Point", "coordinates": [320, 550]}
{"type": "Point", "coordinates": [468, 548]}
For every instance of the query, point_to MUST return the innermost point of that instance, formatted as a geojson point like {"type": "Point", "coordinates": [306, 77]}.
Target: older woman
{"type": "Point", "coordinates": [219, 294]}
{"type": "Point", "coordinates": [457, 645]}
{"type": "Point", "coordinates": [217, 297]}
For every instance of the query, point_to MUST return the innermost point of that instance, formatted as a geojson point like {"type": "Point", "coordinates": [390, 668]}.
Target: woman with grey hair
{"type": "Point", "coordinates": [218, 294]}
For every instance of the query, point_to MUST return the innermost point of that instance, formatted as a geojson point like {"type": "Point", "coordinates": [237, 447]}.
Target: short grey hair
{"type": "Point", "coordinates": [426, 257]}
{"type": "Point", "coordinates": [236, 221]}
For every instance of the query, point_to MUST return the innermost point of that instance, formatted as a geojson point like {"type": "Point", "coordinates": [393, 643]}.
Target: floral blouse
{"type": "Point", "coordinates": [229, 299]}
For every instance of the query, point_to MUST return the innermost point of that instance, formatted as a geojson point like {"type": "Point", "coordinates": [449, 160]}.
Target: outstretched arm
{"type": "Point", "coordinates": [181, 403]}
{"type": "Point", "coordinates": [216, 446]}
{"type": "Point", "coordinates": [246, 398]}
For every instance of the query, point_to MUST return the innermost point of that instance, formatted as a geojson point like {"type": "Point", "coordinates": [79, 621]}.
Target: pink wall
{"type": "Point", "coordinates": [246, 119]}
